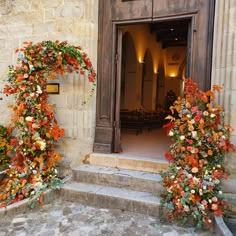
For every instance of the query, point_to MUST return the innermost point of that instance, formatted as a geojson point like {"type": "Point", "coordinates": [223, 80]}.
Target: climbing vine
{"type": "Point", "coordinates": [33, 163]}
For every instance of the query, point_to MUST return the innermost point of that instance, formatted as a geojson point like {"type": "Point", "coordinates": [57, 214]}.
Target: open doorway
{"type": "Point", "coordinates": [154, 63]}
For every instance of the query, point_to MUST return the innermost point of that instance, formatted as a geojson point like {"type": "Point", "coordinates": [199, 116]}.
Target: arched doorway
{"type": "Point", "coordinates": [128, 73]}
{"type": "Point", "coordinates": [116, 13]}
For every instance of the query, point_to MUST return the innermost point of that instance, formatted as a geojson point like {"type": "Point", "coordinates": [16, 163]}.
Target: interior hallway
{"type": "Point", "coordinates": [154, 143]}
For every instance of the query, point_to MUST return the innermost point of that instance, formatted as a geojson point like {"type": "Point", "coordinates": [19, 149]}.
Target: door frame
{"type": "Point", "coordinates": [106, 84]}
{"type": "Point", "coordinates": [117, 66]}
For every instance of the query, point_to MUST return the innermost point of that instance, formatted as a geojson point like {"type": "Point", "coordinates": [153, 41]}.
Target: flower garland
{"type": "Point", "coordinates": [5, 147]}
{"type": "Point", "coordinates": [33, 165]}
{"type": "Point", "coordinates": [192, 184]}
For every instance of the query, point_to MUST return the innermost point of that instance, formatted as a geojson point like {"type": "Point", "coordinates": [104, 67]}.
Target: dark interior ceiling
{"type": "Point", "coordinates": [171, 33]}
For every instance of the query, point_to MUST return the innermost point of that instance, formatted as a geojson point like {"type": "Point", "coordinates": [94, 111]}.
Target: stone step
{"type": "Point", "coordinates": [111, 197]}
{"type": "Point", "coordinates": [121, 178]}
{"type": "Point", "coordinates": [128, 162]}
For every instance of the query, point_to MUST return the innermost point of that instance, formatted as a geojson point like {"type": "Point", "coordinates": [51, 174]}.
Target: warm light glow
{"type": "Point", "coordinates": [172, 75]}
{"type": "Point", "coordinates": [140, 60]}
{"type": "Point", "coordinates": [155, 71]}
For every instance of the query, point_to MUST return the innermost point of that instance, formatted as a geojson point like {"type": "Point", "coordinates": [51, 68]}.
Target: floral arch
{"type": "Point", "coordinates": [36, 131]}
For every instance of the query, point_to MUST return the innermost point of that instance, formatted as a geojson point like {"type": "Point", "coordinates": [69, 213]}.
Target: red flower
{"type": "Point", "coordinates": [169, 157]}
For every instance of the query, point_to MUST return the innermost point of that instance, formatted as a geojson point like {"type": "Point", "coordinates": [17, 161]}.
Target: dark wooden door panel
{"type": "Point", "coordinates": [127, 10]}
{"type": "Point", "coordinates": [104, 92]}
{"type": "Point", "coordinates": [174, 7]}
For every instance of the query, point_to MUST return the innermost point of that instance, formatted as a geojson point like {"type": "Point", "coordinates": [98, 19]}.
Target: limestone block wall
{"type": "Point", "coordinates": [75, 21]}
{"type": "Point", "coordinates": [224, 72]}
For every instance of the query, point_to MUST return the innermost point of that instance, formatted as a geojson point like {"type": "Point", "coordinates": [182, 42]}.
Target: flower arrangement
{"type": "Point", "coordinates": [5, 146]}
{"type": "Point", "coordinates": [33, 165]}
{"type": "Point", "coordinates": [192, 184]}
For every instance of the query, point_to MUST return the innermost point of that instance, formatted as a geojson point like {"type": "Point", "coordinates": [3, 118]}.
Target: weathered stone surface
{"type": "Point", "coordinates": [224, 69]}
{"type": "Point", "coordinates": [135, 180]}
{"type": "Point", "coordinates": [111, 197]}
{"type": "Point", "coordinates": [82, 220]}
{"type": "Point", "coordinates": [128, 162]}
{"type": "Point", "coordinates": [74, 21]}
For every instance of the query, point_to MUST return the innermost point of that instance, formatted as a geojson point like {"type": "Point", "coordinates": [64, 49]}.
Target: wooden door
{"type": "Point", "coordinates": [117, 142]}
{"type": "Point", "coordinates": [113, 13]}
{"type": "Point", "coordinates": [201, 13]}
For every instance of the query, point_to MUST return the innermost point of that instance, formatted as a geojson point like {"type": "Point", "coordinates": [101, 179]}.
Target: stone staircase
{"type": "Point", "coordinates": [116, 181]}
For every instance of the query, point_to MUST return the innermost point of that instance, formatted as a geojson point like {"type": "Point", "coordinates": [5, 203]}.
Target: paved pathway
{"type": "Point", "coordinates": [231, 223]}
{"type": "Point", "coordinates": [73, 219]}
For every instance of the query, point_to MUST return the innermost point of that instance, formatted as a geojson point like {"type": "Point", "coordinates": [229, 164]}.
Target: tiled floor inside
{"type": "Point", "coordinates": [153, 143]}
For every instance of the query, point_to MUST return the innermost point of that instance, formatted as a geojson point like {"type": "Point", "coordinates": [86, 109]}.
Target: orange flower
{"type": "Point", "coordinates": [216, 88]}
{"type": "Point", "coordinates": [57, 132]}
{"type": "Point", "coordinates": [210, 152]}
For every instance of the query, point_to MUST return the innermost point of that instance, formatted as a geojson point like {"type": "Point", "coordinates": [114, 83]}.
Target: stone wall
{"type": "Point", "coordinates": [75, 21]}
{"type": "Point", "coordinates": [224, 72]}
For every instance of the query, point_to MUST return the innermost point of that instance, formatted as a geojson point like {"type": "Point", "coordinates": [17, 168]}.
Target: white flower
{"type": "Point", "coordinates": [200, 192]}
{"type": "Point", "coordinates": [38, 184]}
{"type": "Point", "coordinates": [41, 143]}
{"type": "Point", "coordinates": [196, 180]}
{"type": "Point", "coordinates": [34, 172]}
{"type": "Point", "coordinates": [214, 199]}
{"type": "Point", "coordinates": [216, 181]}
{"type": "Point", "coordinates": [171, 133]}
{"type": "Point", "coordinates": [182, 137]}
{"type": "Point", "coordinates": [204, 187]}
{"type": "Point", "coordinates": [35, 126]}
{"type": "Point", "coordinates": [186, 208]}
{"type": "Point", "coordinates": [189, 116]}
{"type": "Point", "coordinates": [192, 191]}
{"type": "Point", "coordinates": [210, 201]}
{"type": "Point", "coordinates": [169, 190]}
{"type": "Point", "coordinates": [26, 76]}
{"type": "Point", "coordinates": [39, 90]}
{"type": "Point", "coordinates": [194, 134]}
{"type": "Point", "coordinates": [201, 206]}
{"type": "Point", "coordinates": [29, 118]}
{"type": "Point", "coordinates": [220, 192]}
{"type": "Point", "coordinates": [205, 113]}
{"type": "Point", "coordinates": [212, 115]}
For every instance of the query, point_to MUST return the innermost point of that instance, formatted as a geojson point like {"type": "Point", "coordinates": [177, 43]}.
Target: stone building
{"type": "Point", "coordinates": [160, 41]}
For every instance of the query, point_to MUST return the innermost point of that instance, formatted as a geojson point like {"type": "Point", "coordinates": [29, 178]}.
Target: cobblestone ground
{"type": "Point", "coordinates": [73, 219]}
{"type": "Point", "coordinates": [231, 223]}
